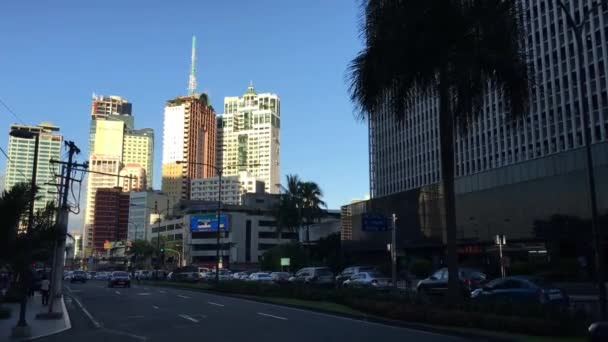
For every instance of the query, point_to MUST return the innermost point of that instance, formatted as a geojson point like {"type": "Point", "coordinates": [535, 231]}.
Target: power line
{"type": "Point", "coordinates": [11, 111]}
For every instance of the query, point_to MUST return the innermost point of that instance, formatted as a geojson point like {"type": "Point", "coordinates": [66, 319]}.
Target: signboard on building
{"type": "Point", "coordinates": [371, 222]}
{"type": "Point", "coordinates": [285, 261]}
{"type": "Point", "coordinates": [207, 222]}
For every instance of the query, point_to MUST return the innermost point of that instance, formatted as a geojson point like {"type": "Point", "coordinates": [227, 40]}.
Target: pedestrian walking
{"type": "Point", "coordinates": [45, 286]}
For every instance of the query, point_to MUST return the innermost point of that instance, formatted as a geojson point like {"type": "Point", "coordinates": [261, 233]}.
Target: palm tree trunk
{"type": "Point", "coordinates": [446, 140]}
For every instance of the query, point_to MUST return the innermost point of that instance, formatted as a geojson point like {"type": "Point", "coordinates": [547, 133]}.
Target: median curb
{"type": "Point", "coordinates": [477, 336]}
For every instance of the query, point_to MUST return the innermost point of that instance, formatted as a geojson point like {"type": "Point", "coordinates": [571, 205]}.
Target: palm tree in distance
{"type": "Point", "coordinates": [300, 203]}
{"type": "Point", "coordinates": [312, 204]}
{"type": "Point", "coordinates": [453, 50]}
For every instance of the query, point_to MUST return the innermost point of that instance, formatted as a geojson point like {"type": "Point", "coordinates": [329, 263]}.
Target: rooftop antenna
{"type": "Point", "coordinates": [192, 78]}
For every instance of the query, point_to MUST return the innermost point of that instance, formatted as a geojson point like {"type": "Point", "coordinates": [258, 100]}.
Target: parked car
{"type": "Point", "coordinates": [314, 275]}
{"type": "Point", "coordinates": [350, 271]}
{"type": "Point", "coordinates": [142, 274]}
{"type": "Point", "coordinates": [260, 277]}
{"type": "Point", "coordinates": [470, 279]}
{"type": "Point", "coordinates": [102, 276]}
{"type": "Point", "coordinates": [119, 278]}
{"type": "Point", "coordinates": [280, 277]}
{"type": "Point", "coordinates": [224, 274]}
{"type": "Point", "coordinates": [186, 276]}
{"type": "Point", "coordinates": [78, 276]}
{"type": "Point", "coordinates": [367, 279]}
{"type": "Point", "coordinates": [91, 275]}
{"type": "Point", "coordinates": [67, 275]}
{"type": "Point", "coordinates": [522, 289]}
{"type": "Point", "coordinates": [240, 275]}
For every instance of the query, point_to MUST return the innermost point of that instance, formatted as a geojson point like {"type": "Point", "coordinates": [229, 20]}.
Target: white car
{"type": "Point", "coordinates": [261, 277]}
{"type": "Point", "coordinates": [67, 275]}
{"type": "Point", "coordinates": [102, 276]}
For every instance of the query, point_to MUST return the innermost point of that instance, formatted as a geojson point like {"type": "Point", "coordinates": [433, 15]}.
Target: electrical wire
{"type": "Point", "coordinates": [11, 111]}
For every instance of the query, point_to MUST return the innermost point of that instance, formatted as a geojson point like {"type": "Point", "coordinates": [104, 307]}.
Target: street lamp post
{"type": "Point", "coordinates": [22, 328]}
{"type": "Point", "coordinates": [578, 28]}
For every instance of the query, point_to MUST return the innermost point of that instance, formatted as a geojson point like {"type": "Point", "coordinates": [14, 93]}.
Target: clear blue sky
{"type": "Point", "coordinates": [54, 55]}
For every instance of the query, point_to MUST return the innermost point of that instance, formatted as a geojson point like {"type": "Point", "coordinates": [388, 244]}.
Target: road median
{"type": "Point", "coordinates": [497, 322]}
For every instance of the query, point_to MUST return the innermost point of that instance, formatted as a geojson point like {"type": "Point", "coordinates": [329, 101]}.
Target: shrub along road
{"type": "Point", "coordinates": [145, 313]}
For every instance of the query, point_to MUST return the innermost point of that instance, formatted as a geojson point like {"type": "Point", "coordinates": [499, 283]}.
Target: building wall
{"type": "Point", "coordinates": [405, 155]}
{"type": "Point", "coordinates": [233, 187]}
{"type": "Point", "coordinates": [509, 200]}
{"type": "Point", "coordinates": [98, 163]}
{"type": "Point", "coordinates": [138, 147]}
{"type": "Point", "coordinates": [249, 137]}
{"type": "Point", "coordinates": [133, 178]}
{"type": "Point", "coordinates": [111, 216]}
{"type": "Point", "coordinates": [21, 154]}
{"type": "Point", "coordinates": [189, 136]}
{"type": "Point", "coordinates": [142, 214]}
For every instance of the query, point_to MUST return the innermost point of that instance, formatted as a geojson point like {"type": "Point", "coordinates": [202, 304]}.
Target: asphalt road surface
{"type": "Point", "coordinates": [144, 313]}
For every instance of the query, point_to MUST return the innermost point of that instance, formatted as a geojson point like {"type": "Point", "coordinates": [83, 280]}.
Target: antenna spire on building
{"type": "Point", "coordinates": [192, 78]}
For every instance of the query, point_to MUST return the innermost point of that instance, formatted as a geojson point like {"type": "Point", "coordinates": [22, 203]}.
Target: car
{"type": "Point", "coordinates": [185, 276]}
{"type": "Point", "coordinates": [224, 274]}
{"type": "Point", "coordinates": [314, 275]}
{"type": "Point", "coordinates": [78, 276]}
{"type": "Point", "coordinates": [261, 277]}
{"type": "Point", "coordinates": [102, 276]}
{"type": "Point", "coordinates": [350, 271]}
{"type": "Point", "coordinates": [470, 279]}
{"type": "Point", "coordinates": [67, 275]}
{"type": "Point", "coordinates": [142, 274]}
{"type": "Point", "coordinates": [280, 277]}
{"type": "Point", "coordinates": [368, 279]}
{"type": "Point", "coordinates": [522, 289]}
{"type": "Point", "coordinates": [243, 275]}
{"type": "Point", "coordinates": [91, 275]}
{"type": "Point", "coordinates": [119, 278]}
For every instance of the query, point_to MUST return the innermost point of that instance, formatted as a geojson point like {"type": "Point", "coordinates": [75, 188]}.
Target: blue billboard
{"type": "Point", "coordinates": [207, 222]}
{"type": "Point", "coordinates": [371, 222]}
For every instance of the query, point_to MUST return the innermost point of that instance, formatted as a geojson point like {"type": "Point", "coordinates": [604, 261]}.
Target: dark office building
{"type": "Point", "coordinates": [111, 217]}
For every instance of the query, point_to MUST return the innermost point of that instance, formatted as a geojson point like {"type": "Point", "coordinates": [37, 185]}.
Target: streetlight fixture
{"type": "Point", "coordinates": [22, 329]}
{"type": "Point", "coordinates": [219, 171]}
{"type": "Point", "coordinates": [578, 28]}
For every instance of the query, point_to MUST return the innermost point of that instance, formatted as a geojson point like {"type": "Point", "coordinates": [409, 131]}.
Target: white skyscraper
{"type": "Point", "coordinates": [248, 134]}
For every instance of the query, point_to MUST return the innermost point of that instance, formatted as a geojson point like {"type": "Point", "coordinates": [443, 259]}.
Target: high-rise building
{"type": "Point", "coordinates": [248, 137]}
{"type": "Point", "coordinates": [146, 207]}
{"type": "Point", "coordinates": [111, 217]}
{"type": "Point", "coordinates": [133, 177]}
{"type": "Point", "coordinates": [510, 177]}
{"type": "Point", "coordinates": [405, 155]}
{"type": "Point", "coordinates": [189, 137]}
{"type": "Point", "coordinates": [233, 187]}
{"type": "Point", "coordinates": [138, 147]}
{"type": "Point", "coordinates": [114, 143]}
{"type": "Point", "coordinates": [21, 154]}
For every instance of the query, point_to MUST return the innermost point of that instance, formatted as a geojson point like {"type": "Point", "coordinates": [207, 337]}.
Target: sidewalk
{"type": "Point", "coordinates": [39, 327]}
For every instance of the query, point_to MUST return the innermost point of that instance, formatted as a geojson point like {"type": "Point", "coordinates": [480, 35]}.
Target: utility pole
{"type": "Point", "coordinates": [61, 225]}
{"type": "Point", "coordinates": [501, 240]}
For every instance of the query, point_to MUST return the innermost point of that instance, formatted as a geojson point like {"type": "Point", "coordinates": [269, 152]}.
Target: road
{"type": "Point", "coordinates": [144, 313]}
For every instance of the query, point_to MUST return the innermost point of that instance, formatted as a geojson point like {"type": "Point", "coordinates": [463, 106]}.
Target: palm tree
{"type": "Point", "coordinates": [311, 194]}
{"type": "Point", "coordinates": [454, 50]}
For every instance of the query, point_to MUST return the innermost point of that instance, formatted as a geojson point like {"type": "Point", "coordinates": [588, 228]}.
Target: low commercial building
{"type": "Point", "coordinates": [246, 233]}
{"type": "Point", "coordinates": [145, 209]}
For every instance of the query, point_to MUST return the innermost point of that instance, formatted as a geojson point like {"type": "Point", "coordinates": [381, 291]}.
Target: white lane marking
{"type": "Point", "coordinates": [273, 316]}
{"type": "Point", "coordinates": [188, 318]}
{"type": "Point", "coordinates": [154, 306]}
{"type": "Point", "coordinates": [161, 291]}
{"type": "Point", "coordinates": [185, 297]}
{"type": "Point", "coordinates": [355, 320]}
{"type": "Point", "coordinates": [144, 294]}
{"type": "Point", "coordinates": [216, 304]}
{"type": "Point", "coordinates": [117, 292]}
{"type": "Point", "coordinates": [86, 312]}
